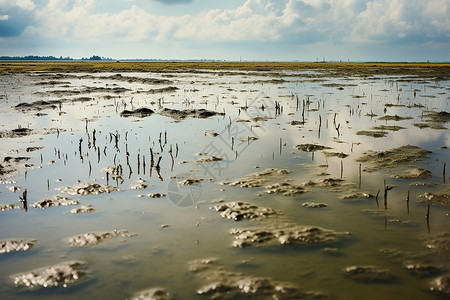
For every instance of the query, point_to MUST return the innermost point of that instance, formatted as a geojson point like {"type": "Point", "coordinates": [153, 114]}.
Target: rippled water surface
{"type": "Point", "coordinates": [260, 121]}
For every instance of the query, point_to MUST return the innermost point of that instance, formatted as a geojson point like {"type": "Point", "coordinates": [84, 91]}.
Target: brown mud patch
{"type": "Point", "coordinates": [96, 238]}
{"type": "Point", "coordinates": [416, 173]}
{"type": "Point", "coordinates": [242, 210]}
{"type": "Point", "coordinates": [442, 198]}
{"type": "Point", "coordinates": [223, 284]}
{"type": "Point", "coordinates": [341, 155]}
{"type": "Point", "coordinates": [441, 286]}
{"type": "Point", "coordinates": [5, 207]}
{"type": "Point", "coordinates": [286, 235]}
{"type": "Point", "coordinates": [11, 165]}
{"type": "Point", "coordinates": [63, 274]}
{"type": "Point", "coordinates": [209, 159]}
{"type": "Point", "coordinates": [388, 128]}
{"type": "Point", "coordinates": [436, 126]}
{"type": "Point", "coordinates": [85, 209]}
{"type": "Point", "coordinates": [369, 274]}
{"type": "Point", "coordinates": [258, 179]}
{"type": "Point", "coordinates": [192, 113]}
{"type": "Point", "coordinates": [13, 245]}
{"type": "Point", "coordinates": [85, 189]}
{"type": "Point", "coordinates": [422, 270]}
{"type": "Point", "coordinates": [285, 189]}
{"type": "Point", "coordinates": [132, 79]}
{"type": "Point", "coordinates": [314, 205]}
{"type": "Point", "coordinates": [403, 155]}
{"type": "Point", "coordinates": [169, 89]}
{"type": "Point", "coordinates": [55, 201]}
{"type": "Point", "coordinates": [311, 147]}
{"type": "Point", "coordinates": [152, 294]}
{"type": "Point", "coordinates": [374, 134]}
{"type": "Point", "coordinates": [83, 91]}
{"type": "Point", "coordinates": [20, 132]}
{"type": "Point", "coordinates": [139, 113]}
{"type": "Point", "coordinates": [394, 118]}
{"type": "Point", "coordinates": [274, 228]}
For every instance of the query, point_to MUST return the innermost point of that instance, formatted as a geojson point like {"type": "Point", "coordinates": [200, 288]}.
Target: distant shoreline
{"type": "Point", "coordinates": [435, 71]}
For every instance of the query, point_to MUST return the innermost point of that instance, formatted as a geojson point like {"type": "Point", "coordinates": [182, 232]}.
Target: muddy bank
{"type": "Point", "coordinates": [11, 165]}
{"type": "Point", "coordinates": [38, 105]}
{"type": "Point", "coordinates": [441, 286]}
{"type": "Point", "coordinates": [96, 238]}
{"type": "Point", "coordinates": [285, 189]}
{"type": "Point", "coordinates": [374, 134]}
{"type": "Point", "coordinates": [82, 91]}
{"type": "Point", "coordinates": [311, 147]}
{"type": "Point", "coordinates": [63, 274]}
{"type": "Point", "coordinates": [422, 270]}
{"type": "Point", "coordinates": [242, 210]}
{"type": "Point", "coordinates": [274, 228]}
{"type": "Point", "coordinates": [85, 209]}
{"type": "Point", "coordinates": [153, 294]}
{"type": "Point", "coordinates": [5, 207]}
{"type": "Point", "coordinates": [169, 89]}
{"type": "Point", "coordinates": [13, 245]}
{"type": "Point", "coordinates": [289, 235]}
{"type": "Point", "coordinates": [140, 112]}
{"type": "Point", "coordinates": [314, 205]}
{"type": "Point", "coordinates": [442, 198]}
{"type": "Point", "coordinates": [189, 113]}
{"type": "Point", "coordinates": [20, 132]}
{"type": "Point", "coordinates": [85, 189]}
{"type": "Point", "coordinates": [369, 274]}
{"type": "Point", "coordinates": [259, 178]}
{"type": "Point", "coordinates": [55, 201]}
{"type": "Point", "coordinates": [416, 173]}
{"type": "Point", "coordinates": [403, 155]}
{"type": "Point", "coordinates": [219, 283]}
{"type": "Point", "coordinates": [439, 244]}
{"type": "Point", "coordinates": [133, 79]}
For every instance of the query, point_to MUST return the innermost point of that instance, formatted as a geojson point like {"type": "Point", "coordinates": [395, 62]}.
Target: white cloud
{"type": "Point", "coordinates": [308, 21]}
{"type": "Point", "coordinates": [22, 4]}
{"type": "Point", "coordinates": [4, 17]}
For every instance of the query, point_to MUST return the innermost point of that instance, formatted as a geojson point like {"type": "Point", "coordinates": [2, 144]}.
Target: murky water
{"type": "Point", "coordinates": [255, 133]}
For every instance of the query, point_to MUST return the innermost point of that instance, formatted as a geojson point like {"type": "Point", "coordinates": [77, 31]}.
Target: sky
{"type": "Point", "coordinates": [261, 30]}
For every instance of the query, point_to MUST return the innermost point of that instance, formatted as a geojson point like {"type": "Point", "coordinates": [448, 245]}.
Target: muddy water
{"type": "Point", "coordinates": [264, 121]}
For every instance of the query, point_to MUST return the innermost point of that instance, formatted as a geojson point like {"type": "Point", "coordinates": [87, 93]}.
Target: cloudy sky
{"type": "Point", "coordinates": [305, 30]}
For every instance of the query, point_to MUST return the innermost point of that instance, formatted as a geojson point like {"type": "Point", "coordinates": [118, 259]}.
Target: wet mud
{"type": "Point", "coordinates": [96, 238]}
{"type": "Point", "coordinates": [416, 173]}
{"type": "Point", "coordinates": [193, 113]}
{"type": "Point", "coordinates": [370, 274]}
{"type": "Point", "coordinates": [85, 189]}
{"type": "Point", "coordinates": [139, 113]}
{"type": "Point", "coordinates": [55, 201]}
{"type": "Point", "coordinates": [311, 147]}
{"type": "Point", "coordinates": [404, 155]}
{"type": "Point", "coordinates": [259, 178]}
{"type": "Point", "coordinates": [63, 275]}
{"type": "Point", "coordinates": [442, 198]}
{"type": "Point", "coordinates": [152, 294]}
{"type": "Point", "coordinates": [15, 245]}
{"type": "Point", "coordinates": [223, 284]}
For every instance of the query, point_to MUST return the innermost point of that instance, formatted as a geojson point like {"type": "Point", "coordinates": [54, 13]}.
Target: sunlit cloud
{"type": "Point", "coordinates": [22, 4]}
{"type": "Point", "coordinates": [298, 23]}
{"type": "Point", "coordinates": [4, 17]}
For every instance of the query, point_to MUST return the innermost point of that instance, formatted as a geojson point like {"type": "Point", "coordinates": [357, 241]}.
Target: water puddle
{"type": "Point", "coordinates": [231, 185]}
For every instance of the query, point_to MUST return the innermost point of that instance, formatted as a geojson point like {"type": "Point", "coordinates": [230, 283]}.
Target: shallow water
{"type": "Point", "coordinates": [179, 228]}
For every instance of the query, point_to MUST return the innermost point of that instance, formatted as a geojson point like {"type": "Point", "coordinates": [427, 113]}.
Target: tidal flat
{"type": "Point", "coordinates": [132, 180]}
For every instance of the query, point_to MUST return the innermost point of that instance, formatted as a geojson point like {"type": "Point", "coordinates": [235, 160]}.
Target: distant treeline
{"type": "Point", "coordinates": [47, 58]}
{"type": "Point", "coordinates": [34, 57]}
